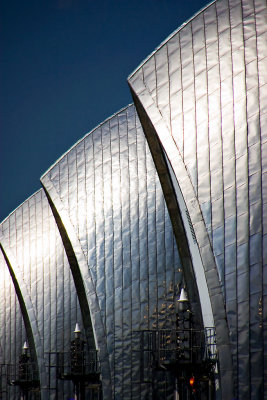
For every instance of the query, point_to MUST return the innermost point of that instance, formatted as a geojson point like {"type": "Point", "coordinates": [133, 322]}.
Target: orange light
{"type": "Point", "coordinates": [192, 381]}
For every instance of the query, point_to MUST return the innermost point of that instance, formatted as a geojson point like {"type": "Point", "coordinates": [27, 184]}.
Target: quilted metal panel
{"type": "Point", "coordinates": [12, 326]}
{"type": "Point", "coordinates": [124, 231]}
{"type": "Point", "coordinates": [32, 243]}
{"type": "Point", "coordinates": [215, 113]}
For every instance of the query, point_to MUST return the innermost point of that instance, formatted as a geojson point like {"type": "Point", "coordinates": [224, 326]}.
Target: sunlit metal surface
{"type": "Point", "coordinates": [108, 195]}
{"type": "Point", "coordinates": [204, 90]}
{"type": "Point", "coordinates": [98, 244]}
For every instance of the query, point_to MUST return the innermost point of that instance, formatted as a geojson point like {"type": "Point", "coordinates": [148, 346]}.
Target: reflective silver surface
{"type": "Point", "coordinates": [109, 198]}
{"type": "Point", "coordinates": [204, 90]}
{"type": "Point", "coordinates": [97, 244]}
{"type": "Point", "coordinates": [30, 240]}
{"type": "Point", "coordinates": [106, 196]}
{"type": "Point", "coordinates": [12, 334]}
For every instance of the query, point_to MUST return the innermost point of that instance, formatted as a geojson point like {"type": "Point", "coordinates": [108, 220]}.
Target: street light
{"type": "Point", "coordinates": [23, 373]}
{"type": "Point", "coordinates": [77, 361]}
{"type": "Point", "coordinates": [77, 330]}
{"type": "Point", "coordinates": [25, 347]}
{"type": "Point", "coordinates": [79, 365]}
{"type": "Point", "coordinates": [182, 302]}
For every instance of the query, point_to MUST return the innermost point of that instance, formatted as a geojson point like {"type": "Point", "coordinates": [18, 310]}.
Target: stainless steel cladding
{"type": "Point", "coordinates": [110, 201]}
{"type": "Point", "coordinates": [204, 93]}
{"type": "Point", "coordinates": [102, 202]}
{"type": "Point", "coordinates": [167, 193]}
{"type": "Point", "coordinates": [45, 309]}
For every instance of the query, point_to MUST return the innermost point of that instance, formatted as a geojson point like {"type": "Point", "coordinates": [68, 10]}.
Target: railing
{"type": "Point", "coordinates": [210, 344]}
{"type": "Point", "coordinates": [22, 375]}
{"type": "Point", "coordinates": [171, 349]}
{"type": "Point", "coordinates": [85, 364]}
{"type": "Point", "coordinates": [81, 373]}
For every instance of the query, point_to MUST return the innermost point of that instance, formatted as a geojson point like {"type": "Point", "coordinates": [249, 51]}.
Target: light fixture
{"type": "Point", "coordinates": [25, 347]}
{"type": "Point", "coordinates": [182, 303]}
{"type": "Point", "coordinates": [77, 328]}
{"type": "Point", "coordinates": [183, 296]}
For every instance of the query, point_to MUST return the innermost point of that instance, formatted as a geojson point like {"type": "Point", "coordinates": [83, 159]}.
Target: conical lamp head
{"type": "Point", "coordinates": [77, 329]}
{"type": "Point", "coordinates": [183, 296]}
{"type": "Point", "coordinates": [25, 346]}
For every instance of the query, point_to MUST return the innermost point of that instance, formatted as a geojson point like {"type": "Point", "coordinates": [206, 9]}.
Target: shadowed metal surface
{"type": "Point", "coordinates": [204, 91]}
{"type": "Point", "coordinates": [12, 334]}
{"type": "Point", "coordinates": [108, 195]}
{"type": "Point", "coordinates": [34, 249]}
{"type": "Point", "coordinates": [27, 310]}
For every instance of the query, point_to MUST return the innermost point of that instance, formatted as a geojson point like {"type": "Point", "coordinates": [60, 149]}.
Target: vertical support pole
{"type": "Point", "coordinates": [176, 391]}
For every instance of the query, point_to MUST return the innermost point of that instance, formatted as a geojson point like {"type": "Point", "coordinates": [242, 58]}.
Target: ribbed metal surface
{"type": "Point", "coordinates": [12, 334]}
{"type": "Point", "coordinates": [32, 244]}
{"type": "Point", "coordinates": [205, 92]}
{"type": "Point", "coordinates": [109, 198]}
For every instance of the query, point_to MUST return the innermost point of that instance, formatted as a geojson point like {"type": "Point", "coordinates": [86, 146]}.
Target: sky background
{"type": "Point", "coordinates": [63, 70]}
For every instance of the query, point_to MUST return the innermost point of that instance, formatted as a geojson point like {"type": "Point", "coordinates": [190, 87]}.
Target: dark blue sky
{"type": "Point", "coordinates": [63, 70]}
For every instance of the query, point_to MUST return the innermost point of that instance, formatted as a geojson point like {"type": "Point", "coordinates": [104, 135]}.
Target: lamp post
{"type": "Point", "coordinates": [25, 378]}
{"type": "Point", "coordinates": [186, 351]}
{"type": "Point", "coordinates": [183, 325]}
{"type": "Point", "coordinates": [77, 364]}
{"type": "Point", "coordinates": [24, 372]}
{"type": "Point", "coordinates": [183, 343]}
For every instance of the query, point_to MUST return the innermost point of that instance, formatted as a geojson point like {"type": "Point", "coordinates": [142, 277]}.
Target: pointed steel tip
{"type": "Point", "coordinates": [183, 295]}
{"type": "Point", "coordinates": [25, 346]}
{"type": "Point", "coordinates": [77, 329]}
